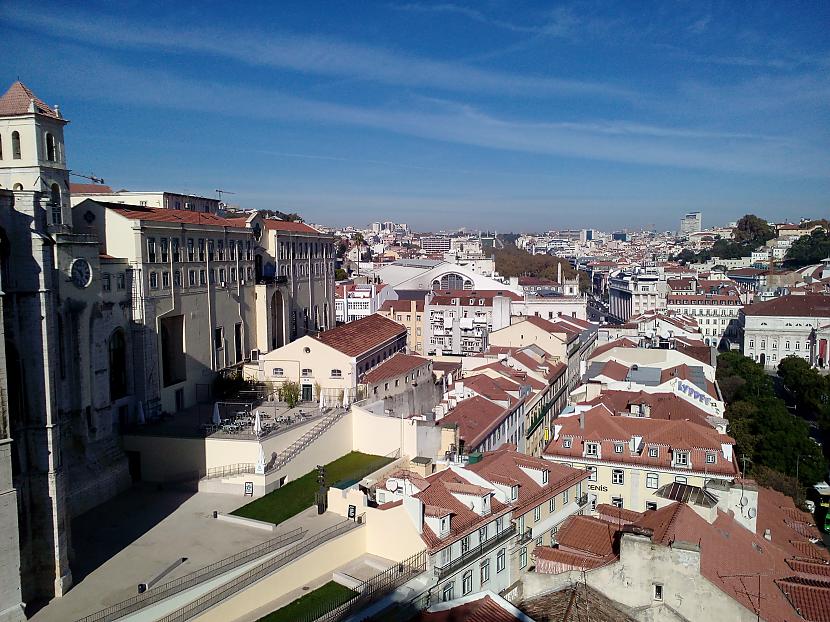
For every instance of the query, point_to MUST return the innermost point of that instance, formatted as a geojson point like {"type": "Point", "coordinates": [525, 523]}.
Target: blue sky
{"type": "Point", "coordinates": [491, 114]}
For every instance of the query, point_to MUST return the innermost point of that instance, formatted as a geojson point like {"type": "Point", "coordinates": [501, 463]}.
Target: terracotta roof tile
{"type": "Point", "coordinates": [16, 101]}
{"type": "Point", "coordinates": [484, 609]}
{"type": "Point", "coordinates": [288, 226]}
{"type": "Point", "coordinates": [363, 335]}
{"type": "Point", "coordinates": [810, 305]}
{"type": "Point", "coordinates": [475, 417]}
{"type": "Point", "coordinates": [158, 214]}
{"type": "Point", "coordinates": [396, 365]}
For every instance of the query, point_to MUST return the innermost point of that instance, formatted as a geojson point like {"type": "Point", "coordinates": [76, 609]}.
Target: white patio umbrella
{"type": "Point", "coordinates": [260, 462]}
{"type": "Point", "coordinates": [258, 426]}
{"type": "Point", "coordinates": [216, 419]}
{"type": "Point", "coordinates": [345, 398]}
{"type": "Point", "coordinates": [140, 414]}
{"type": "Point", "coordinates": [322, 400]}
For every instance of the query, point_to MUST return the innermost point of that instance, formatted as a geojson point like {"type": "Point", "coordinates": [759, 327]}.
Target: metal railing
{"type": "Point", "coordinates": [304, 441]}
{"type": "Point", "coordinates": [228, 470]}
{"type": "Point", "coordinates": [474, 553]}
{"type": "Point", "coordinates": [166, 590]}
{"type": "Point", "coordinates": [372, 589]}
{"type": "Point", "coordinates": [234, 586]}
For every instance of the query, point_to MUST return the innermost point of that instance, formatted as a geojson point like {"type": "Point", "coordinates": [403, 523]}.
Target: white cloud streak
{"type": "Point", "coordinates": [306, 54]}
{"type": "Point", "coordinates": [613, 141]}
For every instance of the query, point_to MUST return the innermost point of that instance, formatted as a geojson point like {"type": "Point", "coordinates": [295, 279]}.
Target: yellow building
{"type": "Point", "coordinates": [630, 457]}
{"type": "Point", "coordinates": [410, 313]}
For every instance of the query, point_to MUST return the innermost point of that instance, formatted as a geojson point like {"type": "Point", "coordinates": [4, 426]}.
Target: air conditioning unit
{"type": "Point", "coordinates": [254, 355]}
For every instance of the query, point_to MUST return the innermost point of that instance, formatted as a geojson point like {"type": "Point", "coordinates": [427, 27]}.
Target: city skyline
{"type": "Point", "coordinates": [444, 115]}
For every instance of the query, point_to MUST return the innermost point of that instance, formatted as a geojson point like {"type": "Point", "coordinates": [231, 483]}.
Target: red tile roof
{"type": "Point", "coordinates": [89, 189]}
{"type": "Point", "coordinates": [16, 101]}
{"type": "Point", "coordinates": [484, 609]}
{"type": "Point", "coordinates": [288, 226]}
{"type": "Point", "coordinates": [601, 427]}
{"type": "Point", "coordinates": [507, 464]}
{"type": "Point", "coordinates": [810, 597]}
{"type": "Point", "coordinates": [809, 305]}
{"type": "Point", "coordinates": [401, 305]}
{"type": "Point", "coordinates": [363, 335]}
{"type": "Point", "coordinates": [397, 365]}
{"type": "Point", "coordinates": [667, 406]}
{"type": "Point", "coordinates": [476, 417]}
{"type": "Point", "coordinates": [158, 214]}
{"type": "Point", "coordinates": [587, 535]}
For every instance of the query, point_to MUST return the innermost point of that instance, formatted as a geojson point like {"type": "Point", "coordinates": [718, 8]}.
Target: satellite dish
{"type": "Point", "coordinates": [744, 501]}
{"type": "Point", "coordinates": [751, 512]}
{"type": "Point", "coordinates": [391, 484]}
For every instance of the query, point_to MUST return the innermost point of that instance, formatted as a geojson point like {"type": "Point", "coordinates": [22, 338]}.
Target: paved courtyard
{"type": "Point", "coordinates": [137, 535]}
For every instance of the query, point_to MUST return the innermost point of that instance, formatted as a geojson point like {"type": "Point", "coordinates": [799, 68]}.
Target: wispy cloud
{"type": "Point", "coordinates": [614, 141]}
{"type": "Point", "coordinates": [307, 54]}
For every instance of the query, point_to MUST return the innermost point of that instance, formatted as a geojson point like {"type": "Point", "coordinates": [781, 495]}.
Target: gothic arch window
{"type": "Point", "coordinates": [117, 365]}
{"type": "Point", "coordinates": [16, 145]}
{"type": "Point", "coordinates": [18, 187]}
{"type": "Point", "coordinates": [51, 148]}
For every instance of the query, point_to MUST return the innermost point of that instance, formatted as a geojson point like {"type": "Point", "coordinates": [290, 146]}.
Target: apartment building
{"type": "Point", "coordinates": [630, 458]}
{"type": "Point", "coordinates": [559, 340]}
{"type": "Point", "coordinates": [410, 313]}
{"type": "Point", "coordinates": [481, 521]}
{"type": "Point", "coordinates": [458, 322]}
{"type": "Point", "coordinates": [714, 304]}
{"type": "Point", "coordinates": [691, 223]}
{"type": "Point", "coordinates": [435, 244]}
{"type": "Point", "coordinates": [793, 325]}
{"type": "Point", "coordinates": [633, 293]}
{"type": "Point", "coordinates": [357, 300]}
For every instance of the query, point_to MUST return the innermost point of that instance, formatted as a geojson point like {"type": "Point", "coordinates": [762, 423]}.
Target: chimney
{"type": "Point", "coordinates": [582, 420]}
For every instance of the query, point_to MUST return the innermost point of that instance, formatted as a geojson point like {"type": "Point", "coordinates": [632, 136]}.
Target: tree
{"type": "Point", "coordinates": [763, 429]}
{"type": "Point", "coordinates": [290, 393]}
{"type": "Point", "coordinates": [808, 249]}
{"type": "Point", "coordinates": [340, 274]}
{"type": "Point", "coordinates": [753, 231]}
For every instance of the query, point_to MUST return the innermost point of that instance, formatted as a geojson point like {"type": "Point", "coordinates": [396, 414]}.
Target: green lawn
{"type": "Point", "coordinates": [297, 495]}
{"type": "Point", "coordinates": [321, 600]}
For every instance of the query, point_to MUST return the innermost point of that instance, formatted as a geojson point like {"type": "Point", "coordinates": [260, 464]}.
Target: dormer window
{"type": "Point", "coordinates": [711, 458]}
{"type": "Point", "coordinates": [653, 452]}
{"type": "Point", "coordinates": [591, 449]}
{"type": "Point", "coordinates": [681, 458]}
{"type": "Point", "coordinates": [545, 476]}
{"type": "Point", "coordinates": [618, 448]}
{"type": "Point", "coordinates": [514, 492]}
{"type": "Point", "coordinates": [445, 525]}
{"type": "Point", "coordinates": [566, 443]}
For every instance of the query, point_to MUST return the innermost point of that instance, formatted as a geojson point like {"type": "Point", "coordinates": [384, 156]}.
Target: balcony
{"type": "Point", "coordinates": [474, 553]}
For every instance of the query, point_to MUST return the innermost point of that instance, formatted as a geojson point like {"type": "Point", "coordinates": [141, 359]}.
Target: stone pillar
{"type": "Point", "coordinates": [11, 599]}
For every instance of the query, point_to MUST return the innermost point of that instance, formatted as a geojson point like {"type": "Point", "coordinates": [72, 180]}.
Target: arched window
{"type": "Point", "coordinates": [51, 148]}
{"type": "Point", "coordinates": [118, 365]}
{"type": "Point", "coordinates": [16, 145]}
{"type": "Point", "coordinates": [55, 201]}
{"type": "Point", "coordinates": [17, 187]}
{"type": "Point", "coordinates": [455, 281]}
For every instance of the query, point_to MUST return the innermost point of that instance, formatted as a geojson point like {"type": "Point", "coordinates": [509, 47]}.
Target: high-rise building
{"type": "Point", "coordinates": [691, 223]}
